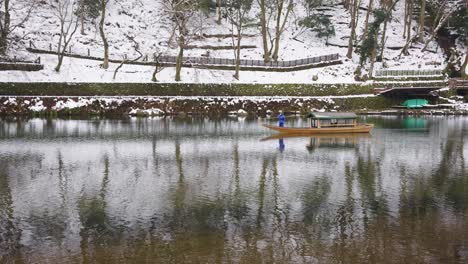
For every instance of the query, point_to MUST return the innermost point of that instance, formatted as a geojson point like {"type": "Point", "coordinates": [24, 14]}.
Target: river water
{"type": "Point", "coordinates": [221, 191]}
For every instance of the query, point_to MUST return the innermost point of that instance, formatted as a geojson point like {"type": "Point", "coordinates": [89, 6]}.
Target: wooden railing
{"type": "Point", "coordinates": [458, 83]}
{"type": "Point", "coordinates": [393, 73]}
{"type": "Point", "coordinates": [15, 64]}
{"type": "Point", "coordinates": [202, 60]}
{"type": "Point", "coordinates": [252, 63]}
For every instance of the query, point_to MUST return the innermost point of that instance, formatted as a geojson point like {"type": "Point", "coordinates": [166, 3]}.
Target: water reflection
{"type": "Point", "coordinates": [332, 141]}
{"type": "Point", "coordinates": [209, 191]}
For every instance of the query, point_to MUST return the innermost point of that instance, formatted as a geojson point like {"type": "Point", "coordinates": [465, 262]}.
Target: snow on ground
{"type": "Point", "coordinates": [80, 70]}
{"type": "Point", "coordinates": [144, 21]}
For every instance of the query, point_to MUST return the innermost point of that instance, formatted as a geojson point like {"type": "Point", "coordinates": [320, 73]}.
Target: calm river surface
{"type": "Point", "coordinates": [212, 191]}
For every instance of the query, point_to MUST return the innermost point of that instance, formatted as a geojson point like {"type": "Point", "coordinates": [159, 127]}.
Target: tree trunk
{"type": "Point", "coordinates": [59, 63]}
{"type": "Point", "coordinates": [266, 52]}
{"type": "Point", "coordinates": [105, 63]}
{"type": "Point", "coordinates": [422, 17]}
{"type": "Point", "coordinates": [118, 68]}
{"type": "Point", "coordinates": [353, 29]}
{"type": "Point", "coordinates": [6, 27]}
{"type": "Point", "coordinates": [366, 23]}
{"type": "Point", "coordinates": [373, 55]}
{"type": "Point", "coordinates": [236, 74]}
{"type": "Point", "coordinates": [277, 30]}
{"type": "Point", "coordinates": [218, 10]}
{"type": "Point", "coordinates": [347, 4]}
{"type": "Point", "coordinates": [426, 44]}
{"type": "Point", "coordinates": [156, 70]}
{"type": "Point", "coordinates": [280, 27]}
{"type": "Point", "coordinates": [408, 27]}
{"type": "Point", "coordinates": [59, 48]}
{"type": "Point", "coordinates": [180, 59]}
{"type": "Point", "coordinates": [434, 32]}
{"type": "Point", "coordinates": [65, 36]}
{"type": "Point", "coordinates": [382, 41]}
{"type": "Point", "coordinates": [82, 18]}
{"type": "Point", "coordinates": [405, 18]}
{"type": "Point", "coordinates": [464, 74]}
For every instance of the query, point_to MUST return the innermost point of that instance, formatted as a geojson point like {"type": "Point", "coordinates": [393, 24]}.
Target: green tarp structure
{"type": "Point", "coordinates": [415, 103]}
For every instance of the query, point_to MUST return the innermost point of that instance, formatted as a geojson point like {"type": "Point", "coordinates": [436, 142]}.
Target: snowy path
{"type": "Point", "coordinates": [211, 62]}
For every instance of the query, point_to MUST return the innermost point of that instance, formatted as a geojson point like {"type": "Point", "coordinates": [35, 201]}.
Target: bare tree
{"type": "Point", "coordinates": [444, 10]}
{"type": "Point", "coordinates": [366, 22]}
{"type": "Point", "coordinates": [422, 19]}
{"type": "Point", "coordinates": [180, 12]}
{"type": "Point", "coordinates": [263, 24]}
{"type": "Point", "coordinates": [8, 23]}
{"type": "Point", "coordinates": [4, 25]}
{"type": "Point", "coordinates": [136, 47]}
{"type": "Point", "coordinates": [218, 12]}
{"type": "Point", "coordinates": [282, 7]}
{"type": "Point", "coordinates": [81, 11]}
{"type": "Point", "coordinates": [354, 17]}
{"type": "Point", "coordinates": [65, 12]}
{"type": "Point", "coordinates": [408, 21]}
{"type": "Point", "coordinates": [158, 67]}
{"type": "Point", "coordinates": [236, 12]}
{"type": "Point", "coordinates": [105, 62]}
{"type": "Point", "coordinates": [278, 11]}
{"type": "Point", "coordinates": [369, 46]}
{"type": "Point", "coordinates": [388, 5]}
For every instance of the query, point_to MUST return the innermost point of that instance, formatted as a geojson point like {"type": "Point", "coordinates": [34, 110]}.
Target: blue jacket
{"type": "Point", "coordinates": [282, 118]}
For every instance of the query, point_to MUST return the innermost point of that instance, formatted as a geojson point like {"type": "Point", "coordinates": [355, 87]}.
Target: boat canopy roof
{"type": "Point", "coordinates": [332, 115]}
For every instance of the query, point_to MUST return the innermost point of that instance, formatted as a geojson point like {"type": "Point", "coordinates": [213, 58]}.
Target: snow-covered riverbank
{"type": "Point", "coordinates": [166, 105]}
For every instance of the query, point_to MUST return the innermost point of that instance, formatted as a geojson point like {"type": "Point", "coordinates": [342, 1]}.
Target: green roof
{"type": "Point", "coordinates": [333, 115]}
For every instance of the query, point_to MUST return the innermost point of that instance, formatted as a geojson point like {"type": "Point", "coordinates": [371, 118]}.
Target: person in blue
{"type": "Point", "coordinates": [281, 118]}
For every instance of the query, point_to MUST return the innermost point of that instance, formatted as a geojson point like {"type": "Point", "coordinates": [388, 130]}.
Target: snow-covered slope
{"type": "Point", "coordinates": [145, 23]}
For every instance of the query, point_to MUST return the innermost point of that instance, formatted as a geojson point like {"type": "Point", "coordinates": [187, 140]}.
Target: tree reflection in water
{"type": "Point", "coordinates": [9, 234]}
{"type": "Point", "coordinates": [204, 192]}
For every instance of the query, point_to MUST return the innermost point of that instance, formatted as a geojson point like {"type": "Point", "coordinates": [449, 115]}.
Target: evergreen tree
{"type": "Point", "coordinates": [320, 24]}
{"type": "Point", "coordinates": [91, 8]}
{"type": "Point", "coordinates": [205, 6]}
{"type": "Point", "coordinates": [370, 42]}
{"type": "Point", "coordinates": [461, 25]}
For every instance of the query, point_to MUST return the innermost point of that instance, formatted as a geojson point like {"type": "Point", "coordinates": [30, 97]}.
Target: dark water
{"type": "Point", "coordinates": [210, 191]}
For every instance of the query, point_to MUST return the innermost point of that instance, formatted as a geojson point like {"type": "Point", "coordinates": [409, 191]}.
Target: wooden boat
{"type": "Point", "coordinates": [327, 123]}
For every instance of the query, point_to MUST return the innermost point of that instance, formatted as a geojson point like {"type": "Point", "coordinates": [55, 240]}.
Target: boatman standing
{"type": "Point", "coordinates": [281, 118]}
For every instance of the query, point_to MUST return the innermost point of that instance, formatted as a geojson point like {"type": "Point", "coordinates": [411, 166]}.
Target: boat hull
{"type": "Point", "coordinates": [366, 128]}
